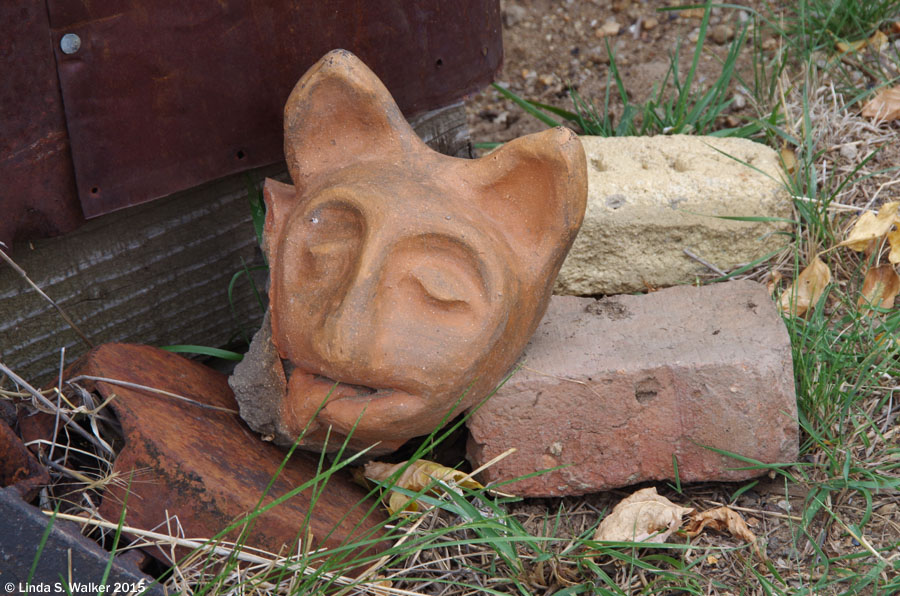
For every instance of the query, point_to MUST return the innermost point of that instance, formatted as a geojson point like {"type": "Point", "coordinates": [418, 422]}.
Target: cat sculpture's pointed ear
{"type": "Point", "coordinates": [535, 189]}
{"type": "Point", "coordinates": [280, 199]}
{"type": "Point", "coordinates": [340, 108]}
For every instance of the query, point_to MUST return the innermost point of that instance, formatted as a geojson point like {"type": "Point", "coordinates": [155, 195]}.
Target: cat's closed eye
{"type": "Point", "coordinates": [444, 287]}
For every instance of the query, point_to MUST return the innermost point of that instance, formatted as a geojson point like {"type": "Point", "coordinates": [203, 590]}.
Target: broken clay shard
{"type": "Point", "coordinates": [394, 268]}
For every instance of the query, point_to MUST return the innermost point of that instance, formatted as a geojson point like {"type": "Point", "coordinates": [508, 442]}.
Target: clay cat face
{"type": "Point", "coordinates": [410, 277]}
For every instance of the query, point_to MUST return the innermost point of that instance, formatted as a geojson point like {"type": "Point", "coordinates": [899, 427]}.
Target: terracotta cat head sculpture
{"type": "Point", "coordinates": [411, 278]}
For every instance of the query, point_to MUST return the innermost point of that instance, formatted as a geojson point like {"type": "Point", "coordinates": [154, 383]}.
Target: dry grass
{"type": "Point", "coordinates": [829, 523]}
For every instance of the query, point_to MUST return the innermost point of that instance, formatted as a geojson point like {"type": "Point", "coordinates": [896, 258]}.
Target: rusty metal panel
{"type": "Point", "coordinates": [37, 196]}
{"type": "Point", "coordinates": [164, 95]}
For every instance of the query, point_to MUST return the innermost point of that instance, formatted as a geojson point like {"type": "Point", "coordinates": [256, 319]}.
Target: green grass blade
{"type": "Point", "coordinates": [526, 105]}
{"type": "Point", "coordinates": [204, 351]}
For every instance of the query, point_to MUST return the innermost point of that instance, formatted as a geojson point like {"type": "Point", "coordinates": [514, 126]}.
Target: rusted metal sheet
{"type": "Point", "coordinates": [204, 465]}
{"type": "Point", "coordinates": [37, 196]}
{"type": "Point", "coordinates": [18, 466]}
{"type": "Point", "coordinates": [166, 95]}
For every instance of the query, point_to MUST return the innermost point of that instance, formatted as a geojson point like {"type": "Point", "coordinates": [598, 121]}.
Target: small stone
{"type": "Point", "coordinates": [732, 121]}
{"type": "Point", "coordinates": [513, 15]}
{"type": "Point", "coordinates": [770, 43]}
{"type": "Point", "coordinates": [739, 101]}
{"type": "Point", "coordinates": [547, 79]}
{"type": "Point", "coordinates": [887, 510]}
{"type": "Point", "coordinates": [650, 23]}
{"type": "Point", "coordinates": [614, 389]}
{"type": "Point", "coordinates": [598, 55]}
{"type": "Point", "coordinates": [848, 152]}
{"type": "Point", "coordinates": [694, 35]}
{"type": "Point", "coordinates": [691, 13]}
{"type": "Point", "coordinates": [609, 28]}
{"type": "Point", "coordinates": [722, 34]}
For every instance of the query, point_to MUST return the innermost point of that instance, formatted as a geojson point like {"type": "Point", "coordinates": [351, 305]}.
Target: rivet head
{"type": "Point", "coordinates": [70, 43]}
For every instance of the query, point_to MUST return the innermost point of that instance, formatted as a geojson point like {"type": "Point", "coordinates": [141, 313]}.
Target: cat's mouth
{"type": "Point", "coordinates": [360, 391]}
{"type": "Point", "coordinates": [350, 408]}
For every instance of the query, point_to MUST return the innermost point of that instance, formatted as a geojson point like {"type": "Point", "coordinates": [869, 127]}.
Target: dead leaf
{"type": "Point", "coordinates": [724, 519]}
{"type": "Point", "coordinates": [876, 42]}
{"type": "Point", "coordinates": [416, 477]}
{"type": "Point", "coordinates": [380, 586]}
{"type": "Point", "coordinates": [773, 281]}
{"type": "Point", "coordinates": [893, 239]}
{"type": "Point", "coordinates": [871, 227]}
{"type": "Point", "coordinates": [885, 105]}
{"type": "Point", "coordinates": [644, 516]}
{"type": "Point", "coordinates": [806, 290]}
{"type": "Point", "coordinates": [880, 287]}
{"type": "Point", "coordinates": [854, 46]}
{"type": "Point", "coordinates": [788, 160]}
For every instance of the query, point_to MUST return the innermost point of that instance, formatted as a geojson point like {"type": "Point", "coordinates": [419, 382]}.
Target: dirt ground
{"type": "Point", "coordinates": [552, 45]}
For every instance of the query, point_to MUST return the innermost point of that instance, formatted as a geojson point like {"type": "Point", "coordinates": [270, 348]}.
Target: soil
{"type": "Point", "coordinates": [550, 46]}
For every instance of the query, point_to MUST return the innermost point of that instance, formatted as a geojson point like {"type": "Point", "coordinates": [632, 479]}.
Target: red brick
{"type": "Point", "coordinates": [613, 388]}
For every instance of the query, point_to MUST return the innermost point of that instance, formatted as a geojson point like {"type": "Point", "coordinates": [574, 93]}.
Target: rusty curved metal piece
{"type": "Point", "coordinates": [18, 466]}
{"type": "Point", "coordinates": [205, 466]}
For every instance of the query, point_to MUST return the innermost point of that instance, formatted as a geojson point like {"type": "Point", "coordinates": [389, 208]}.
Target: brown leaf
{"type": "Point", "coordinates": [885, 105]}
{"type": "Point", "coordinates": [806, 290]}
{"type": "Point", "coordinates": [724, 519]}
{"type": "Point", "coordinates": [880, 287]}
{"type": "Point", "coordinates": [643, 516]}
{"type": "Point", "coordinates": [788, 160]}
{"type": "Point", "coordinates": [871, 227]}
{"type": "Point", "coordinates": [416, 477]}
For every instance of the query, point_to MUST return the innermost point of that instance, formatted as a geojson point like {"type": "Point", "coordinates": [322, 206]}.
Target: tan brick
{"type": "Point", "coordinates": [614, 388]}
{"type": "Point", "coordinates": [652, 198]}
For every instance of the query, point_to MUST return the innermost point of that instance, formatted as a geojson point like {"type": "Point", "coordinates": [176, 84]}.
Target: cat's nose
{"type": "Point", "coordinates": [349, 331]}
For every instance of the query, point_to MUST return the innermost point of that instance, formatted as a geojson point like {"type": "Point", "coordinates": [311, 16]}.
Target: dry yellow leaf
{"type": "Point", "coordinates": [880, 287]}
{"type": "Point", "coordinates": [416, 477]}
{"type": "Point", "coordinates": [871, 227]}
{"type": "Point", "coordinates": [643, 516]}
{"type": "Point", "coordinates": [806, 290]}
{"type": "Point", "coordinates": [876, 42]}
{"type": "Point", "coordinates": [854, 46]}
{"type": "Point", "coordinates": [789, 160]}
{"type": "Point", "coordinates": [893, 239]}
{"type": "Point", "coordinates": [773, 281]}
{"type": "Point", "coordinates": [884, 106]}
{"type": "Point", "coordinates": [724, 519]}
{"type": "Point", "coordinates": [380, 586]}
